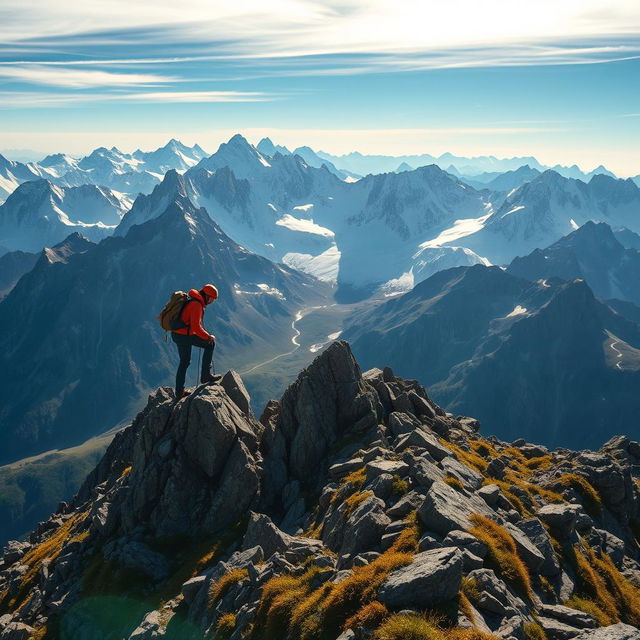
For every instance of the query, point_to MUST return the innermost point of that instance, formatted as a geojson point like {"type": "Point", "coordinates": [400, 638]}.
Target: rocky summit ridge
{"type": "Point", "coordinates": [355, 508]}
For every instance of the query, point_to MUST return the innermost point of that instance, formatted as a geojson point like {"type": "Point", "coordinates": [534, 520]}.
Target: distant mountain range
{"type": "Point", "coordinates": [592, 253]}
{"type": "Point", "coordinates": [363, 234]}
{"type": "Point", "coordinates": [79, 341]}
{"type": "Point", "coordinates": [128, 173]}
{"type": "Point", "coordinates": [39, 214]}
{"type": "Point", "coordinates": [375, 235]}
{"type": "Point", "coordinates": [545, 358]}
{"type": "Point", "coordinates": [549, 207]}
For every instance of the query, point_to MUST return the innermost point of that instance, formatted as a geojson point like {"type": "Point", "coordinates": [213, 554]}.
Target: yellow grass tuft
{"type": "Point", "coordinates": [370, 615]}
{"type": "Point", "coordinates": [533, 631]}
{"type": "Point", "coordinates": [279, 598]}
{"type": "Point", "coordinates": [626, 596]}
{"type": "Point", "coordinates": [502, 553]}
{"type": "Point", "coordinates": [464, 604]}
{"type": "Point", "coordinates": [125, 472]}
{"type": "Point", "coordinates": [591, 584]}
{"type": "Point", "coordinates": [454, 482]}
{"type": "Point", "coordinates": [470, 634]}
{"type": "Point", "coordinates": [307, 617]}
{"type": "Point", "coordinates": [592, 500]}
{"type": "Point", "coordinates": [360, 587]}
{"type": "Point", "coordinates": [399, 487]}
{"type": "Point", "coordinates": [483, 449]}
{"type": "Point", "coordinates": [541, 462]}
{"type": "Point", "coordinates": [407, 541]}
{"type": "Point", "coordinates": [355, 500]}
{"type": "Point", "coordinates": [408, 627]}
{"type": "Point", "coordinates": [80, 537]}
{"type": "Point", "coordinates": [470, 458]}
{"type": "Point", "coordinates": [356, 478]}
{"type": "Point", "coordinates": [546, 494]}
{"type": "Point", "coordinates": [291, 606]}
{"type": "Point", "coordinates": [48, 551]}
{"type": "Point", "coordinates": [220, 588]}
{"type": "Point", "coordinates": [471, 589]}
{"type": "Point", "coordinates": [590, 608]}
{"type": "Point", "coordinates": [226, 625]}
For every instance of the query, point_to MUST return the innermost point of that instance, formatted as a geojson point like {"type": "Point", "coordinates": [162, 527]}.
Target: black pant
{"type": "Point", "coordinates": [184, 344]}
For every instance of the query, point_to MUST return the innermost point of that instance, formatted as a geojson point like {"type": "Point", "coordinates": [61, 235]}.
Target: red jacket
{"type": "Point", "coordinates": [192, 317]}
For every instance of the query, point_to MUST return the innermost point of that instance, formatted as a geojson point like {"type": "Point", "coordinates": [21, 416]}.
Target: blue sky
{"type": "Point", "coordinates": [558, 80]}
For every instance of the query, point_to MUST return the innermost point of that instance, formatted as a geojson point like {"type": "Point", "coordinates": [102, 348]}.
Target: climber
{"type": "Point", "coordinates": [193, 334]}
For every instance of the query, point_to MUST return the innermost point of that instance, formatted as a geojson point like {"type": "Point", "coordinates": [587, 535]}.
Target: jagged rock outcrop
{"type": "Point", "coordinates": [354, 502]}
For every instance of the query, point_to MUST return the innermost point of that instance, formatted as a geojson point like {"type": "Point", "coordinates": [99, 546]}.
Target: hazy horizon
{"type": "Point", "coordinates": [35, 155]}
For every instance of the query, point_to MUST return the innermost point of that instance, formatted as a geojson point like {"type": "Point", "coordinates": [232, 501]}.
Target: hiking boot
{"type": "Point", "coordinates": [181, 394]}
{"type": "Point", "coordinates": [210, 379]}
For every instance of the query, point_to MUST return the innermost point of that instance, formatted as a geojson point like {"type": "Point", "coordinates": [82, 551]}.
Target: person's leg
{"type": "Point", "coordinates": [207, 357]}
{"type": "Point", "coordinates": [184, 351]}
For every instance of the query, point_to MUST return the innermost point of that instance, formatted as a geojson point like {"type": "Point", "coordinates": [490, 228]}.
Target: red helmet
{"type": "Point", "coordinates": [210, 291]}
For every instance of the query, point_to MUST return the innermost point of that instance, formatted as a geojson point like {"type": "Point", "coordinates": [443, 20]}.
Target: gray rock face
{"type": "Point", "coordinates": [618, 631]}
{"type": "Point", "coordinates": [432, 578]}
{"type": "Point", "coordinates": [495, 596]}
{"type": "Point", "coordinates": [138, 557]}
{"type": "Point", "coordinates": [150, 628]}
{"type": "Point", "coordinates": [262, 533]}
{"type": "Point", "coordinates": [328, 399]}
{"type": "Point", "coordinates": [365, 527]}
{"type": "Point", "coordinates": [561, 518]}
{"type": "Point", "coordinates": [557, 630]}
{"type": "Point", "coordinates": [211, 477]}
{"type": "Point", "coordinates": [470, 478]}
{"type": "Point", "coordinates": [16, 631]}
{"type": "Point", "coordinates": [569, 616]}
{"type": "Point", "coordinates": [378, 467]}
{"type": "Point", "coordinates": [535, 532]}
{"type": "Point", "coordinates": [529, 553]}
{"type": "Point", "coordinates": [446, 509]}
{"type": "Point", "coordinates": [489, 493]}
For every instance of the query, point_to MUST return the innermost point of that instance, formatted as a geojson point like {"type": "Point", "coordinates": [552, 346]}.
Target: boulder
{"type": "Point", "coordinates": [342, 469]}
{"type": "Point", "coordinates": [401, 422]}
{"type": "Point", "coordinates": [234, 386]}
{"type": "Point", "coordinates": [618, 631]}
{"type": "Point", "coordinates": [431, 579]}
{"type": "Point", "coordinates": [365, 527]}
{"type": "Point", "coordinates": [538, 535]}
{"type": "Point", "coordinates": [572, 617]}
{"type": "Point", "coordinates": [150, 628]}
{"type": "Point", "coordinates": [469, 477]}
{"type": "Point", "coordinates": [495, 596]}
{"type": "Point", "coordinates": [466, 541]}
{"type": "Point", "coordinates": [445, 509]}
{"type": "Point", "coordinates": [489, 493]}
{"type": "Point", "coordinates": [328, 399]}
{"type": "Point", "coordinates": [556, 630]}
{"type": "Point", "coordinates": [424, 471]}
{"type": "Point", "coordinates": [378, 467]}
{"type": "Point", "coordinates": [261, 532]}
{"type": "Point", "coordinates": [561, 518]}
{"type": "Point", "coordinates": [529, 553]}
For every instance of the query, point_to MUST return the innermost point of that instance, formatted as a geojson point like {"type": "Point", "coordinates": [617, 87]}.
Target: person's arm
{"type": "Point", "coordinates": [195, 322]}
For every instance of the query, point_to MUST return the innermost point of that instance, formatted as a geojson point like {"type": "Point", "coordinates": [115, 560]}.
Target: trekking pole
{"type": "Point", "coordinates": [198, 369]}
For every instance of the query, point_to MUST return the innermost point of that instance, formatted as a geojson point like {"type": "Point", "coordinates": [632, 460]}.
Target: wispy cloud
{"type": "Point", "coordinates": [402, 33]}
{"type": "Point", "coordinates": [78, 78]}
{"type": "Point", "coordinates": [33, 99]}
